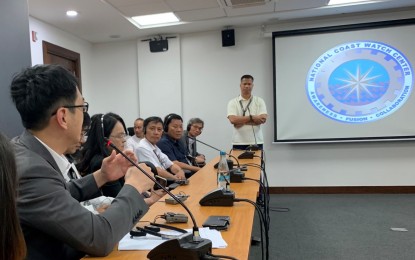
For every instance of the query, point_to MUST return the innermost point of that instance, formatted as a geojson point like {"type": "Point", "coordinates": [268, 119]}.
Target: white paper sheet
{"type": "Point", "coordinates": [149, 241]}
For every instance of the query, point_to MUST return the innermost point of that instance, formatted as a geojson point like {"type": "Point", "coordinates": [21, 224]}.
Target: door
{"type": "Point", "coordinates": [53, 54]}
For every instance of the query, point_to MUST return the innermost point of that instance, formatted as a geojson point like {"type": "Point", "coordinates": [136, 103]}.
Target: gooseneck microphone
{"type": "Point", "coordinates": [208, 145]}
{"type": "Point", "coordinates": [236, 173]}
{"type": "Point", "coordinates": [183, 246]}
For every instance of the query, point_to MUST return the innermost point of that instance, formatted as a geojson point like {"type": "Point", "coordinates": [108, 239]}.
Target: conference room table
{"type": "Point", "coordinates": [238, 235]}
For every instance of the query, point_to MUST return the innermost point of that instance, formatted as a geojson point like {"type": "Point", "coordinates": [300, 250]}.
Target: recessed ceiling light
{"type": "Point", "coordinates": [71, 13]}
{"type": "Point", "coordinates": [156, 19]}
{"type": "Point", "coordinates": [342, 2]}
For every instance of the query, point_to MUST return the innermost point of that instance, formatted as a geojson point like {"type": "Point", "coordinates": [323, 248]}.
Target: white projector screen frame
{"type": "Point", "coordinates": [345, 83]}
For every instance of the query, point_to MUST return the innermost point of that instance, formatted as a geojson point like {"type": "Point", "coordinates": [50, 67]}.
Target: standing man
{"type": "Point", "coordinates": [247, 113]}
{"type": "Point", "coordinates": [170, 144]}
{"type": "Point", "coordinates": [194, 128]}
{"type": "Point", "coordinates": [134, 140]}
{"type": "Point", "coordinates": [148, 150]}
{"type": "Point", "coordinates": [54, 224]}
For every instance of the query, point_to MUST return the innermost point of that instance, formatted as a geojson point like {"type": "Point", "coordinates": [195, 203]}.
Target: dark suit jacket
{"type": "Point", "coordinates": [191, 154]}
{"type": "Point", "coordinates": [54, 224]}
{"type": "Point", "coordinates": [185, 141]}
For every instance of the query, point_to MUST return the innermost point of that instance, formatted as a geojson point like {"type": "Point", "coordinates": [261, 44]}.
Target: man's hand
{"type": "Point", "coordinates": [200, 158]}
{"type": "Point", "coordinates": [155, 196]}
{"type": "Point", "coordinates": [180, 174]}
{"type": "Point", "coordinates": [115, 166]}
{"type": "Point", "coordinates": [263, 118]}
{"type": "Point", "coordinates": [177, 171]}
{"type": "Point", "coordinates": [139, 180]}
{"type": "Point", "coordinates": [259, 119]}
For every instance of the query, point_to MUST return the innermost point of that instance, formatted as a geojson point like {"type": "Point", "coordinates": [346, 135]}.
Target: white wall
{"type": "Point", "coordinates": [46, 32]}
{"type": "Point", "coordinates": [114, 73]}
{"type": "Point", "coordinates": [159, 95]}
{"type": "Point", "coordinates": [210, 77]}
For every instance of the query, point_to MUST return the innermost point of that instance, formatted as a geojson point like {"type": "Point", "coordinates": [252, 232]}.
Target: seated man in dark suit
{"type": "Point", "coordinates": [171, 145]}
{"type": "Point", "coordinates": [54, 223]}
{"type": "Point", "coordinates": [194, 129]}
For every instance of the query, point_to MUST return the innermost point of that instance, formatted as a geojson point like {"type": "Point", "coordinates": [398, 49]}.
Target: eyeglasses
{"type": "Point", "coordinates": [120, 136]}
{"type": "Point", "coordinates": [85, 107]}
{"type": "Point", "coordinates": [84, 135]}
{"type": "Point", "coordinates": [197, 127]}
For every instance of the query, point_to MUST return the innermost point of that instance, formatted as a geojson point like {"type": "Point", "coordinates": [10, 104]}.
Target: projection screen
{"type": "Point", "coordinates": [345, 83]}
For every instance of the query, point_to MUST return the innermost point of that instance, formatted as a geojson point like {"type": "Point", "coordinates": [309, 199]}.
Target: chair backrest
{"type": "Point", "coordinates": [130, 131]}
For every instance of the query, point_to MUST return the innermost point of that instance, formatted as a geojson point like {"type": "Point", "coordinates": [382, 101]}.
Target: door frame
{"type": "Point", "coordinates": [50, 48]}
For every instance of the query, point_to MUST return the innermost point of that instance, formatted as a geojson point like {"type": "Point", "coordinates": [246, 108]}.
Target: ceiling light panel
{"type": "Point", "coordinates": [346, 2]}
{"type": "Point", "coordinates": [291, 5]}
{"type": "Point", "coordinates": [242, 3]}
{"type": "Point", "coordinates": [155, 19]}
{"type": "Point", "coordinates": [139, 7]}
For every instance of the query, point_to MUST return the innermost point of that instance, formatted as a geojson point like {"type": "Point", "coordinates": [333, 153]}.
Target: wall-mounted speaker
{"type": "Point", "coordinates": [159, 45]}
{"type": "Point", "coordinates": [228, 37]}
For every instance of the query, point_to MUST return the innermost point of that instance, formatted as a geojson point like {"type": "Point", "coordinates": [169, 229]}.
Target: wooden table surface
{"type": "Point", "coordinates": [238, 235]}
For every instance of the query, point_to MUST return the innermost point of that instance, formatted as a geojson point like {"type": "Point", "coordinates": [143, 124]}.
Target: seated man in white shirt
{"type": "Point", "coordinates": [148, 151]}
{"type": "Point", "coordinates": [133, 141]}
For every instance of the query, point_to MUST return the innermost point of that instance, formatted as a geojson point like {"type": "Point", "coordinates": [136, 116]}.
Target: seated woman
{"type": "Point", "coordinates": [12, 243]}
{"type": "Point", "coordinates": [94, 150]}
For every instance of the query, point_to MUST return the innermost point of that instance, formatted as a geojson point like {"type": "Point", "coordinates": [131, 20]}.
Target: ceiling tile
{"type": "Point", "coordinates": [289, 5]}
{"type": "Point", "coordinates": [187, 5]}
{"type": "Point", "coordinates": [202, 14]}
{"type": "Point", "coordinates": [131, 2]}
{"type": "Point", "coordinates": [144, 9]}
{"type": "Point", "coordinates": [251, 10]}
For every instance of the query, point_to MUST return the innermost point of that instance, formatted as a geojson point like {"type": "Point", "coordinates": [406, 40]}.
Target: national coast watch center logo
{"type": "Point", "coordinates": [359, 82]}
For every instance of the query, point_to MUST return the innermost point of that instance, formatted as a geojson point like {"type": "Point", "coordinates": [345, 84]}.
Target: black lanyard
{"type": "Point", "coordinates": [247, 106]}
{"type": "Point", "coordinates": [158, 158]}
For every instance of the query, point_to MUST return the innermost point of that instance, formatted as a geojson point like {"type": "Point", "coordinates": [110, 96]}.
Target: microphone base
{"type": "Point", "coordinates": [181, 248]}
{"type": "Point", "coordinates": [237, 176]}
{"type": "Point", "coordinates": [246, 155]}
{"type": "Point", "coordinates": [253, 147]}
{"type": "Point", "coordinates": [218, 197]}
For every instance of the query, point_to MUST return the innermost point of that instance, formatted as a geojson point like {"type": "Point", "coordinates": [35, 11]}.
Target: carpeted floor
{"type": "Point", "coordinates": [332, 226]}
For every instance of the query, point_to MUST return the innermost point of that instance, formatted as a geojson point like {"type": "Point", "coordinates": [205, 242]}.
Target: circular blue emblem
{"type": "Point", "coordinates": [359, 82]}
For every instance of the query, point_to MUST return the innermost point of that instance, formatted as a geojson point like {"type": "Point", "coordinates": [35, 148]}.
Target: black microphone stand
{"type": "Point", "coordinates": [193, 248]}
{"type": "Point", "coordinates": [228, 154]}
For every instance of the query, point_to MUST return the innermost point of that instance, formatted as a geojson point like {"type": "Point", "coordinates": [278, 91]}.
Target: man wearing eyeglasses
{"type": "Point", "coordinates": [194, 129]}
{"type": "Point", "coordinates": [54, 223]}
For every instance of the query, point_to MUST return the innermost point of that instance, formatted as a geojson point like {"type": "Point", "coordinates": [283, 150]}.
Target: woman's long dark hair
{"type": "Point", "coordinates": [101, 126]}
{"type": "Point", "coordinates": [12, 244]}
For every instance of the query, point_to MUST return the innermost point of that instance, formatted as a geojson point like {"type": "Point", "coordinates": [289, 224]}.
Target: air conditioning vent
{"type": "Point", "coordinates": [242, 3]}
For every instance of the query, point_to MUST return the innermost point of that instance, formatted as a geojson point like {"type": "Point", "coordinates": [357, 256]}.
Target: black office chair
{"type": "Point", "coordinates": [130, 131]}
